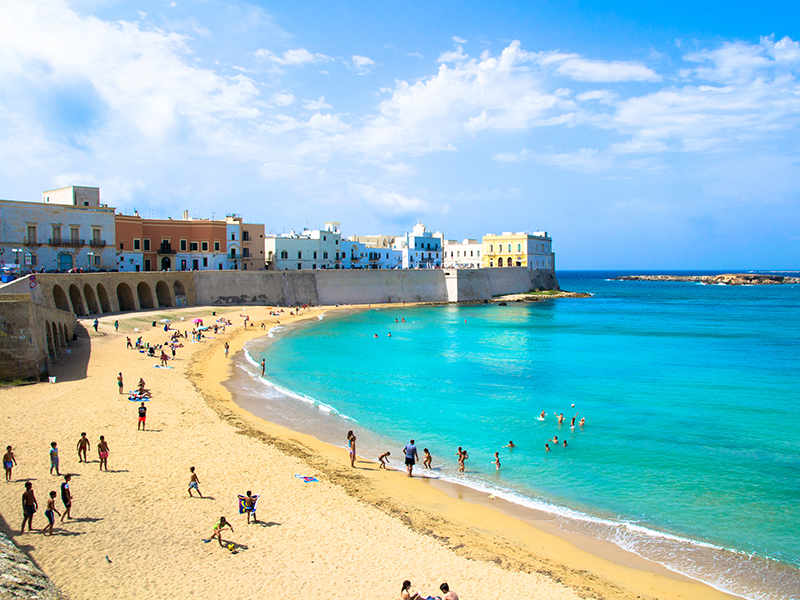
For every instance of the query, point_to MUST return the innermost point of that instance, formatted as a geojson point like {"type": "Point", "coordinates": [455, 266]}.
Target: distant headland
{"type": "Point", "coordinates": [722, 279]}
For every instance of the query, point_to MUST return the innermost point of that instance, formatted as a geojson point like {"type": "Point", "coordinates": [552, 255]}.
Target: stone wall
{"type": "Point", "coordinates": [20, 577]}
{"type": "Point", "coordinates": [30, 336]}
{"type": "Point", "coordinates": [469, 285]}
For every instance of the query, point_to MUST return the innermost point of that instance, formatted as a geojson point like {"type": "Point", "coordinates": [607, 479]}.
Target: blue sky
{"type": "Point", "coordinates": [640, 135]}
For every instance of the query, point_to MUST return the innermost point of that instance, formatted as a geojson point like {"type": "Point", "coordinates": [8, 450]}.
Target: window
{"type": "Point", "coordinates": [299, 254]}
{"type": "Point", "coordinates": [324, 255]}
{"type": "Point", "coordinates": [519, 247]}
{"type": "Point", "coordinates": [96, 260]}
{"type": "Point", "coordinates": [324, 238]}
{"type": "Point", "coordinates": [245, 236]}
{"type": "Point", "coordinates": [95, 234]}
{"type": "Point", "coordinates": [74, 234]}
{"type": "Point", "coordinates": [246, 252]}
{"type": "Point", "coordinates": [204, 246]}
{"type": "Point", "coordinates": [164, 242]}
{"type": "Point", "coordinates": [233, 252]}
{"type": "Point", "coordinates": [233, 237]}
{"type": "Point", "coordinates": [491, 248]}
{"type": "Point", "coordinates": [216, 246]}
{"type": "Point", "coordinates": [315, 254]}
{"type": "Point", "coordinates": [284, 254]}
{"type": "Point", "coordinates": [314, 266]}
{"type": "Point", "coordinates": [146, 243]}
{"type": "Point", "coordinates": [205, 261]}
{"type": "Point", "coordinates": [183, 245]}
{"type": "Point", "coordinates": [137, 244]}
{"type": "Point", "coordinates": [491, 262]}
{"type": "Point", "coordinates": [298, 266]}
{"type": "Point", "coordinates": [193, 246]}
{"type": "Point", "coordinates": [509, 247]}
{"type": "Point", "coordinates": [122, 246]}
{"type": "Point", "coordinates": [337, 242]}
{"type": "Point", "coordinates": [55, 233]}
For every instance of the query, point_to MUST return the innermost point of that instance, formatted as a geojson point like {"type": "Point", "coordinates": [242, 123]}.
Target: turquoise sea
{"type": "Point", "coordinates": [690, 454]}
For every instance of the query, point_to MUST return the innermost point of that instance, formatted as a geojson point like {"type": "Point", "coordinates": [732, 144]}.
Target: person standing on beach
{"type": "Point", "coordinates": [142, 417]}
{"type": "Point", "coordinates": [66, 497]}
{"type": "Point", "coordinates": [95, 323]}
{"type": "Point", "coordinates": [411, 456]}
{"type": "Point", "coordinates": [351, 446]}
{"type": "Point", "coordinates": [250, 506]}
{"type": "Point", "coordinates": [460, 459]}
{"type": "Point", "coordinates": [426, 458]}
{"type": "Point", "coordinates": [8, 462]}
{"type": "Point", "coordinates": [49, 513]}
{"type": "Point", "coordinates": [194, 483]}
{"type": "Point", "coordinates": [29, 506]}
{"type": "Point", "coordinates": [116, 326]}
{"type": "Point", "coordinates": [128, 345]}
{"type": "Point", "coordinates": [120, 383]}
{"type": "Point", "coordinates": [227, 347]}
{"type": "Point", "coordinates": [263, 366]}
{"type": "Point", "coordinates": [54, 458]}
{"type": "Point", "coordinates": [496, 461]}
{"type": "Point", "coordinates": [102, 452]}
{"type": "Point", "coordinates": [83, 446]}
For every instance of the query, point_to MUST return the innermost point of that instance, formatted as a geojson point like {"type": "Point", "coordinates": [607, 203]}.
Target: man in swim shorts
{"type": "Point", "coordinates": [102, 452]}
{"type": "Point", "coordinates": [120, 384]}
{"type": "Point", "coordinates": [142, 417]}
{"type": "Point", "coordinates": [29, 506]}
{"type": "Point", "coordinates": [250, 506]}
{"type": "Point", "coordinates": [66, 497]}
{"type": "Point", "coordinates": [194, 483]}
{"type": "Point", "coordinates": [8, 462]}
{"type": "Point", "coordinates": [83, 446]}
{"type": "Point", "coordinates": [411, 456]}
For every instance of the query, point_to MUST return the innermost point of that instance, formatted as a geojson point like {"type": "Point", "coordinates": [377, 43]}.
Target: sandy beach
{"type": "Point", "coordinates": [354, 533]}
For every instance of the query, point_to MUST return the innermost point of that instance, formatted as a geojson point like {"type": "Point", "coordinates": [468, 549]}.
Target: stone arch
{"type": "Point", "coordinates": [77, 300]}
{"type": "Point", "coordinates": [60, 298]}
{"type": "Point", "coordinates": [145, 295]}
{"type": "Point", "coordinates": [102, 297]}
{"type": "Point", "coordinates": [500, 262]}
{"type": "Point", "coordinates": [91, 299]}
{"type": "Point", "coordinates": [162, 294]}
{"type": "Point", "coordinates": [62, 335]}
{"type": "Point", "coordinates": [51, 347]}
{"type": "Point", "coordinates": [180, 293]}
{"type": "Point", "coordinates": [125, 297]}
{"type": "Point", "coordinates": [166, 264]}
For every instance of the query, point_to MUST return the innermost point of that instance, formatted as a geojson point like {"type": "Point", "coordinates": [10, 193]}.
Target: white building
{"type": "Point", "coordinates": [311, 249]}
{"type": "Point", "coordinates": [68, 229]}
{"type": "Point", "coordinates": [465, 254]}
{"type": "Point", "coordinates": [421, 249]}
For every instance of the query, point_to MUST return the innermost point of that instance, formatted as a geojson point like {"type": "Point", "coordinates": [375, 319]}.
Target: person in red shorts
{"type": "Point", "coordinates": [142, 417]}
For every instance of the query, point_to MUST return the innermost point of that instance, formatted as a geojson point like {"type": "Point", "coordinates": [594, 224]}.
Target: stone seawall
{"type": "Point", "coordinates": [20, 577]}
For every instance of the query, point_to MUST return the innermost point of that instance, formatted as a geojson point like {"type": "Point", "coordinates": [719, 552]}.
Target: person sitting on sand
{"type": "Point", "coordinates": [407, 594]}
{"type": "Point", "coordinates": [250, 506]}
{"type": "Point", "coordinates": [448, 594]}
{"type": "Point", "coordinates": [383, 459]}
{"type": "Point", "coordinates": [426, 458]}
{"type": "Point", "coordinates": [8, 462]}
{"type": "Point", "coordinates": [194, 482]}
{"type": "Point", "coordinates": [49, 513]}
{"type": "Point", "coordinates": [217, 533]}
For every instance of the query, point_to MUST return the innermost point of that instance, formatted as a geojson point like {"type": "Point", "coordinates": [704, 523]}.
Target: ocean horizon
{"type": "Point", "coordinates": [690, 449]}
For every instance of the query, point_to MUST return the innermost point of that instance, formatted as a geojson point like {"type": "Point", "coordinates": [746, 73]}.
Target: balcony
{"type": "Point", "coordinates": [66, 243]}
{"type": "Point", "coordinates": [165, 249]}
{"type": "Point", "coordinates": [31, 243]}
{"type": "Point", "coordinates": [97, 243]}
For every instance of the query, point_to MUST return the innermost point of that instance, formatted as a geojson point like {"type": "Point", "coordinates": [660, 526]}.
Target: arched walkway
{"type": "Point", "coordinates": [102, 296]}
{"type": "Point", "coordinates": [60, 298]}
{"type": "Point", "coordinates": [180, 293]}
{"type": "Point", "coordinates": [125, 297]}
{"type": "Point", "coordinates": [77, 301]}
{"type": "Point", "coordinates": [162, 294]}
{"type": "Point", "coordinates": [51, 348]}
{"type": "Point", "coordinates": [62, 334]}
{"type": "Point", "coordinates": [145, 295]}
{"type": "Point", "coordinates": [91, 299]}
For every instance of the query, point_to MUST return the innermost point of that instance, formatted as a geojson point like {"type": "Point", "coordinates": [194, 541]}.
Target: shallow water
{"type": "Point", "coordinates": [691, 448]}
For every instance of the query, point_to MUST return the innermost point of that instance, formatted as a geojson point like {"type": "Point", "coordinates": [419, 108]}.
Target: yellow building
{"type": "Point", "coordinates": [531, 250]}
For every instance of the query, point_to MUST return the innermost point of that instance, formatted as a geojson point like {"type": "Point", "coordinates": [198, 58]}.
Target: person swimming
{"type": "Point", "coordinates": [541, 415]}
{"type": "Point", "coordinates": [561, 418]}
{"type": "Point", "coordinates": [555, 440]}
{"type": "Point", "coordinates": [510, 445]}
{"type": "Point", "coordinates": [547, 447]}
{"type": "Point", "coordinates": [565, 443]}
{"type": "Point", "coordinates": [582, 422]}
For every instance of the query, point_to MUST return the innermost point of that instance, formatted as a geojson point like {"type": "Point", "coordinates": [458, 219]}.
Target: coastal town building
{"type": "Point", "coordinates": [311, 249]}
{"type": "Point", "coordinates": [420, 248]}
{"type": "Point", "coordinates": [531, 250]}
{"type": "Point", "coordinates": [465, 254]}
{"type": "Point", "coordinates": [186, 244]}
{"type": "Point", "coordinates": [245, 244]}
{"type": "Point", "coordinates": [68, 229]}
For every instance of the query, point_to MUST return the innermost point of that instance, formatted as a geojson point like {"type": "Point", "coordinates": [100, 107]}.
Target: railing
{"type": "Point", "coordinates": [31, 243]}
{"type": "Point", "coordinates": [97, 243]}
{"type": "Point", "coordinates": [68, 243]}
{"type": "Point", "coordinates": [165, 250]}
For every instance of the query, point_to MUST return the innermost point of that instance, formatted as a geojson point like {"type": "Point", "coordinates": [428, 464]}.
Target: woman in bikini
{"type": "Point", "coordinates": [351, 446]}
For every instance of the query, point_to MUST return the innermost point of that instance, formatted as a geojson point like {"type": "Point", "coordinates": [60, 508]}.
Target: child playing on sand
{"type": "Point", "coordinates": [66, 497]}
{"type": "Point", "coordinates": [217, 533]}
{"type": "Point", "coordinates": [194, 483]}
{"type": "Point", "coordinates": [83, 446]}
{"type": "Point", "coordinates": [54, 458]}
{"type": "Point", "coordinates": [8, 462]}
{"type": "Point", "coordinates": [426, 458]}
{"type": "Point", "coordinates": [384, 459]}
{"type": "Point", "coordinates": [102, 452]}
{"type": "Point", "coordinates": [51, 519]}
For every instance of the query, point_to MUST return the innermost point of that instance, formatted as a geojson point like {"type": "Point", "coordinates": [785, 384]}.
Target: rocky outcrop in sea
{"type": "Point", "coordinates": [723, 279]}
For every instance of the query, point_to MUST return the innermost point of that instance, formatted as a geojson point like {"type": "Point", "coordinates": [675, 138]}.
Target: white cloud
{"type": "Point", "coordinates": [585, 160]}
{"type": "Point", "coordinates": [579, 68]}
{"type": "Point", "coordinates": [316, 105]}
{"type": "Point", "coordinates": [392, 202]}
{"type": "Point", "coordinates": [453, 56]}
{"type": "Point", "coordinates": [602, 96]}
{"type": "Point", "coordinates": [415, 54]}
{"type": "Point", "coordinates": [458, 40]}
{"type": "Point", "coordinates": [512, 157]}
{"type": "Point", "coordinates": [362, 64]}
{"type": "Point", "coordinates": [293, 57]}
{"type": "Point", "coordinates": [283, 99]}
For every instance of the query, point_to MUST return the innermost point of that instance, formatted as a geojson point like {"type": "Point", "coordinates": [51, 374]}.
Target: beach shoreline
{"type": "Point", "coordinates": [138, 534]}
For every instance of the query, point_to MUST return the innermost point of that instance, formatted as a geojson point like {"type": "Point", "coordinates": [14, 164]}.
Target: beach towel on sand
{"type": "Point", "coordinates": [243, 499]}
{"type": "Point", "coordinates": [306, 478]}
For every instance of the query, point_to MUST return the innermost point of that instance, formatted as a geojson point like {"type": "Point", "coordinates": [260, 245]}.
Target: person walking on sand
{"type": "Point", "coordinates": [83, 446]}
{"type": "Point", "coordinates": [351, 447]}
{"type": "Point", "coordinates": [217, 533]}
{"type": "Point", "coordinates": [54, 458]}
{"type": "Point", "coordinates": [29, 506]}
{"type": "Point", "coordinates": [410, 451]}
{"type": "Point", "coordinates": [194, 483]}
{"type": "Point", "coordinates": [383, 459]}
{"type": "Point", "coordinates": [66, 497]}
{"type": "Point", "coordinates": [102, 452]}
{"type": "Point", "coordinates": [164, 358]}
{"type": "Point", "coordinates": [227, 348]}
{"type": "Point", "coordinates": [426, 458]}
{"type": "Point", "coordinates": [116, 326]}
{"type": "Point", "coordinates": [95, 323]}
{"type": "Point", "coordinates": [9, 460]}
{"type": "Point", "coordinates": [49, 513]}
{"type": "Point", "coordinates": [128, 345]}
{"type": "Point", "coordinates": [263, 366]}
{"type": "Point", "coordinates": [120, 383]}
{"type": "Point", "coordinates": [142, 417]}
